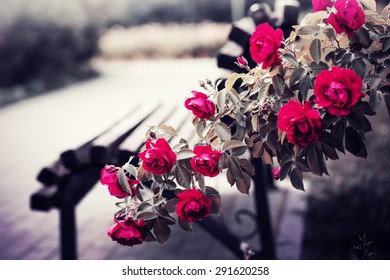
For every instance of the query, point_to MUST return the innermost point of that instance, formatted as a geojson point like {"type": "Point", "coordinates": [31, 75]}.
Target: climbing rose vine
{"type": "Point", "coordinates": [306, 102]}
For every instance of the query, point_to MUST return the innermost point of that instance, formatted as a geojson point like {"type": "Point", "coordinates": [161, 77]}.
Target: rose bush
{"type": "Point", "coordinates": [308, 101]}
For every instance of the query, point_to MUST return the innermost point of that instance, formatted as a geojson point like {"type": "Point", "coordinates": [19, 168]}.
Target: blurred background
{"type": "Point", "coordinates": [86, 61]}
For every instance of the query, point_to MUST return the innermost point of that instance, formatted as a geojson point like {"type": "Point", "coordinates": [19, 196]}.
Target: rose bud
{"type": "Point", "coordinates": [264, 45]}
{"type": "Point", "coordinates": [338, 90]}
{"type": "Point", "coordinates": [200, 105]}
{"type": "Point", "coordinates": [276, 172]}
{"type": "Point", "coordinates": [109, 177]}
{"type": "Point", "coordinates": [128, 232]}
{"type": "Point", "coordinates": [158, 158]}
{"type": "Point", "coordinates": [193, 205]}
{"type": "Point", "coordinates": [302, 123]}
{"type": "Point", "coordinates": [205, 161]}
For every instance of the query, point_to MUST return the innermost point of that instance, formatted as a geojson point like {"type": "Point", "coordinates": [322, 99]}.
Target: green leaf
{"type": "Point", "coordinates": [183, 176]}
{"type": "Point", "coordinates": [169, 185]}
{"type": "Point", "coordinates": [338, 136]}
{"type": "Point", "coordinates": [200, 127]}
{"type": "Point", "coordinates": [304, 86]}
{"type": "Point", "coordinates": [329, 151]}
{"type": "Point", "coordinates": [354, 143]}
{"type": "Point", "coordinates": [307, 30]}
{"type": "Point", "coordinates": [235, 168]}
{"type": "Point", "coordinates": [221, 99]}
{"type": "Point", "coordinates": [232, 144]}
{"type": "Point", "coordinates": [358, 121]}
{"type": "Point", "coordinates": [278, 83]}
{"type": "Point", "coordinates": [216, 206]}
{"type": "Point", "coordinates": [147, 216]}
{"type": "Point", "coordinates": [375, 100]}
{"type": "Point", "coordinates": [184, 154]}
{"type": "Point", "coordinates": [386, 44]}
{"type": "Point", "coordinates": [240, 119]}
{"type": "Point", "coordinates": [167, 129]}
{"type": "Point", "coordinates": [296, 179]}
{"type": "Point", "coordinates": [346, 60]}
{"type": "Point", "coordinates": [370, 4]}
{"type": "Point", "coordinates": [231, 80]}
{"type": "Point", "coordinates": [364, 37]}
{"type": "Point", "coordinates": [315, 50]}
{"type": "Point", "coordinates": [329, 32]}
{"type": "Point", "coordinates": [290, 58]}
{"type": "Point", "coordinates": [185, 225]}
{"type": "Point", "coordinates": [223, 131]}
{"type": "Point", "coordinates": [247, 166]}
{"type": "Point", "coordinates": [285, 169]}
{"type": "Point", "coordinates": [297, 76]}
{"type": "Point", "coordinates": [234, 97]}
{"type": "Point", "coordinates": [244, 185]}
{"type": "Point", "coordinates": [359, 67]}
{"type": "Point", "coordinates": [161, 230]}
{"type": "Point", "coordinates": [170, 205]}
{"type": "Point", "coordinates": [123, 182]}
{"type": "Point", "coordinates": [314, 161]}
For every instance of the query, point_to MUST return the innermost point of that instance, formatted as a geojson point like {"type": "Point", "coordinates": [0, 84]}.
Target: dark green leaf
{"type": "Point", "coordinates": [386, 44]}
{"type": "Point", "coordinates": [230, 178]}
{"type": "Point", "coordinates": [170, 205]}
{"type": "Point", "coordinates": [169, 185]}
{"type": "Point", "coordinates": [346, 60]}
{"type": "Point", "coordinates": [364, 37]}
{"type": "Point", "coordinates": [185, 225]}
{"type": "Point", "coordinates": [149, 237]}
{"type": "Point", "coordinates": [296, 179]}
{"type": "Point", "coordinates": [290, 58]}
{"type": "Point", "coordinates": [315, 50]}
{"type": "Point", "coordinates": [216, 206]}
{"type": "Point", "coordinates": [221, 99]}
{"type": "Point", "coordinates": [147, 216]}
{"type": "Point", "coordinates": [307, 30]}
{"type": "Point", "coordinates": [338, 136]}
{"type": "Point", "coordinates": [359, 67]}
{"type": "Point", "coordinates": [354, 143]}
{"type": "Point", "coordinates": [329, 32]}
{"type": "Point", "coordinates": [240, 119]}
{"type": "Point", "coordinates": [164, 215]}
{"type": "Point", "coordinates": [222, 162]}
{"type": "Point", "coordinates": [243, 185]}
{"type": "Point", "coordinates": [285, 170]}
{"type": "Point", "coordinates": [297, 76]}
{"type": "Point", "coordinates": [161, 230]}
{"type": "Point", "coordinates": [358, 121]}
{"type": "Point", "coordinates": [329, 151]}
{"type": "Point", "coordinates": [234, 97]}
{"type": "Point", "coordinates": [304, 86]}
{"type": "Point", "coordinates": [200, 127]}
{"type": "Point", "coordinates": [257, 149]}
{"type": "Point", "coordinates": [232, 144]}
{"type": "Point", "coordinates": [387, 100]}
{"type": "Point", "coordinates": [235, 168]}
{"type": "Point", "coordinates": [247, 166]}
{"type": "Point", "coordinates": [222, 131]}
{"type": "Point", "coordinates": [278, 83]}
{"type": "Point", "coordinates": [123, 182]}
{"type": "Point", "coordinates": [183, 176]}
{"type": "Point", "coordinates": [375, 99]}
{"type": "Point", "coordinates": [314, 161]}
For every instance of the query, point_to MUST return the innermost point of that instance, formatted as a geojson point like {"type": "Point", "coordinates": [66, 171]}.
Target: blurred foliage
{"type": "Point", "coordinates": [32, 49]}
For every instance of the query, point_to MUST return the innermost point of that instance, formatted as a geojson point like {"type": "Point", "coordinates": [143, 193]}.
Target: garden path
{"type": "Point", "coordinates": [36, 130]}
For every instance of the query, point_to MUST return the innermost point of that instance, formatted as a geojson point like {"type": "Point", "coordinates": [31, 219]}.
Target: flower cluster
{"type": "Point", "coordinates": [306, 102]}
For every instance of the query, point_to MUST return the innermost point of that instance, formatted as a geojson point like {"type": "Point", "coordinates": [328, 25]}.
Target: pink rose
{"type": "Point", "coordinates": [276, 172]}
{"type": "Point", "coordinates": [193, 205]}
{"type": "Point", "coordinates": [348, 18]}
{"type": "Point", "coordinates": [109, 177]}
{"type": "Point", "coordinates": [338, 90]}
{"type": "Point", "coordinates": [264, 45]}
{"type": "Point", "coordinates": [302, 123]}
{"type": "Point", "coordinates": [158, 158]}
{"type": "Point", "coordinates": [200, 105]}
{"type": "Point", "coordinates": [128, 232]}
{"type": "Point", "coordinates": [321, 5]}
{"type": "Point", "coordinates": [205, 161]}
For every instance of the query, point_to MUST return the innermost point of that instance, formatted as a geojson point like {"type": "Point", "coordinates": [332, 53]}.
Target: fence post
{"type": "Point", "coordinates": [68, 226]}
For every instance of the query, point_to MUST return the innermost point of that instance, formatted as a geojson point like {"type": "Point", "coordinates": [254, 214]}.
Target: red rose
{"type": "Point", "coordinates": [200, 105]}
{"type": "Point", "coordinates": [276, 172]}
{"type": "Point", "coordinates": [321, 5]}
{"type": "Point", "coordinates": [128, 232]}
{"type": "Point", "coordinates": [158, 158]}
{"type": "Point", "coordinates": [302, 123]}
{"type": "Point", "coordinates": [348, 18]}
{"type": "Point", "coordinates": [205, 161]}
{"type": "Point", "coordinates": [264, 45]}
{"type": "Point", "coordinates": [109, 177]}
{"type": "Point", "coordinates": [338, 90]}
{"type": "Point", "coordinates": [193, 205]}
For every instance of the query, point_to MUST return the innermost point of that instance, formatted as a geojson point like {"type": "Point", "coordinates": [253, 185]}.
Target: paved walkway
{"type": "Point", "coordinates": [36, 130]}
